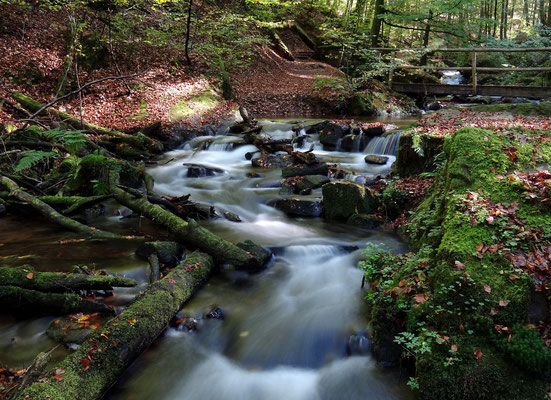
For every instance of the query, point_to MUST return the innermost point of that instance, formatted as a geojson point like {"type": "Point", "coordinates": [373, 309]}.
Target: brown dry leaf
{"type": "Point", "coordinates": [454, 348]}
{"type": "Point", "coordinates": [487, 288]}
{"type": "Point", "coordinates": [30, 276]}
{"type": "Point", "coordinates": [459, 265]}
{"type": "Point", "coordinates": [478, 354]}
{"type": "Point", "coordinates": [503, 303]}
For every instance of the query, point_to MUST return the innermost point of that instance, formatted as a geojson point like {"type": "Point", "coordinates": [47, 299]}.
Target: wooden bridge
{"type": "Point", "coordinates": [474, 88]}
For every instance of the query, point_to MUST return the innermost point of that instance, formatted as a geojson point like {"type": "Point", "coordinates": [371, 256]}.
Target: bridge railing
{"type": "Point", "coordinates": [473, 67]}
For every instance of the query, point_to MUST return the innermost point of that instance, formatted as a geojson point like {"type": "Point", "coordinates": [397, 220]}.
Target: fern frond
{"type": "Point", "coordinates": [72, 140]}
{"type": "Point", "coordinates": [31, 158]}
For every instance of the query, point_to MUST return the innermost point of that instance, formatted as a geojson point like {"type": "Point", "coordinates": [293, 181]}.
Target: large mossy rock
{"type": "Point", "coordinates": [416, 155]}
{"type": "Point", "coordinates": [342, 199]}
{"type": "Point", "coordinates": [332, 132]}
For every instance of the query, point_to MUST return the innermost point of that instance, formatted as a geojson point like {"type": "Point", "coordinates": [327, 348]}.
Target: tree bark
{"type": "Point", "coordinates": [27, 278]}
{"type": "Point", "coordinates": [26, 301]}
{"type": "Point", "coordinates": [187, 232]}
{"type": "Point", "coordinates": [376, 24]}
{"type": "Point", "coordinates": [52, 215]}
{"type": "Point", "coordinates": [96, 366]}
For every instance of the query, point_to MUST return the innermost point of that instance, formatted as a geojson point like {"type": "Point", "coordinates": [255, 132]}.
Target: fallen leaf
{"type": "Point", "coordinates": [58, 378]}
{"type": "Point", "coordinates": [503, 303]}
{"type": "Point", "coordinates": [30, 276]}
{"type": "Point", "coordinates": [478, 354]}
{"type": "Point", "coordinates": [459, 265]}
{"type": "Point", "coordinates": [420, 298]}
{"type": "Point", "coordinates": [59, 371]}
{"type": "Point", "coordinates": [85, 363]}
{"type": "Point", "coordinates": [487, 288]}
{"type": "Point", "coordinates": [454, 348]}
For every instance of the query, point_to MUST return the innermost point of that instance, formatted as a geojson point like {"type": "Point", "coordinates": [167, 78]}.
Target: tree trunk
{"type": "Point", "coordinates": [95, 367]}
{"type": "Point", "coordinates": [188, 29]}
{"type": "Point", "coordinates": [25, 301]}
{"type": "Point", "coordinates": [376, 24]}
{"type": "Point", "coordinates": [27, 278]}
{"type": "Point", "coordinates": [52, 215]}
{"type": "Point", "coordinates": [187, 232]}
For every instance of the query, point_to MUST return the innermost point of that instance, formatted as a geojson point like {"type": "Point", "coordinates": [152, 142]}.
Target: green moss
{"type": "Point", "coordinates": [199, 103]}
{"type": "Point", "coordinates": [469, 292]}
{"type": "Point", "coordinates": [142, 114]}
{"type": "Point", "coordinates": [415, 156]}
{"type": "Point", "coordinates": [343, 199]}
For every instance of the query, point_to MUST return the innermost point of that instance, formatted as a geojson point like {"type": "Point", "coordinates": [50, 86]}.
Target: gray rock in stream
{"type": "Point", "coordinates": [331, 134]}
{"type": "Point", "coordinates": [299, 207]}
{"type": "Point", "coordinates": [199, 171]}
{"type": "Point", "coordinates": [303, 170]}
{"type": "Point", "coordinates": [272, 161]}
{"type": "Point", "coordinates": [303, 184]}
{"type": "Point", "coordinates": [3, 210]}
{"type": "Point", "coordinates": [374, 159]}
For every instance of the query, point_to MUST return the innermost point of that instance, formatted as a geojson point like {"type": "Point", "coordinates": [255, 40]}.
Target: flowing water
{"type": "Point", "coordinates": [285, 330]}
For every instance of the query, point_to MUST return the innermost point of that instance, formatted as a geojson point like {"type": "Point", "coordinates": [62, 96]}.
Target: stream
{"type": "Point", "coordinates": [284, 331]}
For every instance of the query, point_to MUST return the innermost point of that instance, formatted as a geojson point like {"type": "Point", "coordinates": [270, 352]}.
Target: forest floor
{"type": "Point", "coordinates": [32, 55]}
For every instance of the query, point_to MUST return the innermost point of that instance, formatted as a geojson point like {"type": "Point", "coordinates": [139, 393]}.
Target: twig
{"type": "Point", "coordinates": [51, 103]}
{"type": "Point", "coordinates": [9, 152]}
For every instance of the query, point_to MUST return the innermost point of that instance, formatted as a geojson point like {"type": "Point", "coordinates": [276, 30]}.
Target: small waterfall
{"type": "Point", "coordinates": [220, 146]}
{"type": "Point", "coordinates": [357, 141]}
{"type": "Point", "coordinates": [383, 144]}
{"type": "Point", "coordinates": [338, 145]}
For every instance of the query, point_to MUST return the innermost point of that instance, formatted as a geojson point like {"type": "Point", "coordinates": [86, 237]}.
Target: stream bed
{"type": "Point", "coordinates": [284, 332]}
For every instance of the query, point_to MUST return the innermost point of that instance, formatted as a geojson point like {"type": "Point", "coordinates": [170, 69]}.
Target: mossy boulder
{"type": "Point", "coordinates": [416, 153]}
{"type": "Point", "coordinates": [342, 199]}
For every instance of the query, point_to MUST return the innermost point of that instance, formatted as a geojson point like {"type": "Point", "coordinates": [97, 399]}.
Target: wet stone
{"type": "Point", "coordinates": [272, 161]}
{"type": "Point", "coordinates": [303, 170]}
{"type": "Point", "coordinates": [199, 171]}
{"type": "Point", "coordinates": [3, 210]}
{"type": "Point", "coordinates": [299, 207]}
{"type": "Point", "coordinates": [374, 159]}
{"type": "Point", "coordinates": [215, 313]}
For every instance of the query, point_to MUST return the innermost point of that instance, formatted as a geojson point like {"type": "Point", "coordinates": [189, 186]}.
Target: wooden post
{"type": "Point", "coordinates": [474, 77]}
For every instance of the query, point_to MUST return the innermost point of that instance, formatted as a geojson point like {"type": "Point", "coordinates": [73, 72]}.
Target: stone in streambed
{"type": "Point", "coordinates": [374, 159]}
{"type": "Point", "coordinates": [3, 210]}
{"type": "Point", "coordinates": [303, 184]}
{"type": "Point", "coordinates": [299, 207]}
{"type": "Point", "coordinates": [303, 170]}
{"type": "Point", "coordinates": [272, 161]}
{"type": "Point", "coordinates": [231, 216]}
{"type": "Point", "coordinates": [343, 199]}
{"type": "Point", "coordinates": [199, 171]}
{"type": "Point", "coordinates": [215, 313]}
{"type": "Point", "coordinates": [364, 221]}
{"type": "Point", "coordinates": [331, 134]}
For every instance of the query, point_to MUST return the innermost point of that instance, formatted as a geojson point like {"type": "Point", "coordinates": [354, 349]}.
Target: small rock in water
{"type": "Point", "coordinates": [272, 161]}
{"type": "Point", "coordinates": [299, 207]}
{"type": "Point", "coordinates": [374, 159]}
{"type": "Point", "coordinates": [434, 106]}
{"type": "Point", "coordinates": [231, 216]}
{"type": "Point", "coordinates": [3, 210]}
{"type": "Point", "coordinates": [191, 324]}
{"type": "Point", "coordinates": [215, 313]}
{"type": "Point", "coordinates": [199, 171]}
{"type": "Point", "coordinates": [358, 345]}
{"type": "Point", "coordinates": [303, 170]}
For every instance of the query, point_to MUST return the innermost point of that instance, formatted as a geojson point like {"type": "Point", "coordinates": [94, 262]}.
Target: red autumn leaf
{"type": "Point", "coordinates": [421, 298]}
{"type": "Point", "coordinates": [513, 277]}
{"type": "Point", "coordinates": [487, 288]}
{"type": "Point", "coordinates": [85, 363]}
{"type": "Point", "coordinates": [479, 246]}
{"type": "Point", "coordinates": [58, 378]}
{"type": "Point", "coordinates": [503, 303]}
{"type": "Point", "coordinates": [132, 320]}
{"type": "Point", "coordinates": [493, 311]}
{"type": "Point", "coordinates": [454, 348]}
{"type": "Point", "coordinates": [59, 371]}
{"type": "Point", "coordinates": [30, 276]}
{"type": "Point", "coordinates": [478, 354]}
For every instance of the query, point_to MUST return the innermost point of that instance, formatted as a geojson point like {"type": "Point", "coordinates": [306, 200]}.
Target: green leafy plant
{"type": "Point", "coordinates": [72, 140]}
{"type": "Point", "coordinates": [31, 158]}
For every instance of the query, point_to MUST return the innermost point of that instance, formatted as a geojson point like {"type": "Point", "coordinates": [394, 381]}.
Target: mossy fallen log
{"type": "Point", "coordinates": [26, 301]}
{"type": "Point", "coordinates": [186, 231]}
{"type": "Point", "coordinates": [51, 214]}
{"type": "Point", "coordinates": [121, 143]}
{"type": "Point", "coordinates": [26, 277]}
{"type": "Point", "coordinates": [70, 205]}
{"type": "Point", "coordinates": [90, 371]}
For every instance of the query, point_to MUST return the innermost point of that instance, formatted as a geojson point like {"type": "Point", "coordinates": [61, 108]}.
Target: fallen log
{"type": "Point", "coordinates": [91, 370]}
{"type": "Point", "coordinates": [186, 231]}
{"type": "Point", "coordinates": [73, 204]}
{"type": "Point", "coordinates": [32, 373]}
{"type": "Point", "coordinates": [51, 214]}
{"type": "Point", "coordinates": [26, 301]}
{"type": "Point", "coordinates": [27, 278]}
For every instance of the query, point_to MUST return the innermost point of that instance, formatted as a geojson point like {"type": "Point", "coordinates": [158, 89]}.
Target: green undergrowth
{"type": "Point", "coordinates": [461, 305]}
